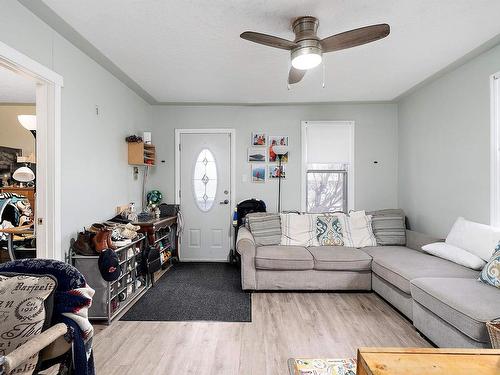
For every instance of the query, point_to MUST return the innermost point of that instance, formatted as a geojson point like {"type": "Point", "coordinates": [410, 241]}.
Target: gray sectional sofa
{"type": "Point", "coordinates": [443, 299]}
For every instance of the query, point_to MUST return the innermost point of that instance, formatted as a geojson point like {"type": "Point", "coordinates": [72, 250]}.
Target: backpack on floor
{"type": "Point", "coordinates": [243, 209]}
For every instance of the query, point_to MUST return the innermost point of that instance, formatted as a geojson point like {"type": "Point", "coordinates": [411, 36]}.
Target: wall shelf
{"type": "Point", "coordinates": [141, 154]}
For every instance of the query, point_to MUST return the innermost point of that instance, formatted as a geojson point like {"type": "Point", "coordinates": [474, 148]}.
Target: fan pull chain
{"type": "Point", "coordinates": [324, 84]}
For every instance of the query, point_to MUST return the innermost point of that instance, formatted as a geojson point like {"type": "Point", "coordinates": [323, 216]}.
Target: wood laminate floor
{"type": "Point", "coordinates": [283, 325]}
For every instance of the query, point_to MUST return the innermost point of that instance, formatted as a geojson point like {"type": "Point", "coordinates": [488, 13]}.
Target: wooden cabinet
{"type": "Point", "coordinates": [140, 153]}
{"type": "Point", "coordinates": [425, 361]}
{"type": "Point", "coordinates": [161, 234]}
{"type": "Point", "coordinates": [28, 192]}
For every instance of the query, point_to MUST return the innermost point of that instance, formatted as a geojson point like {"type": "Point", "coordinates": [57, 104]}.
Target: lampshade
{"type": "Point", "coordinates": [27, 121]}
{"type": "Point", "coordinates": [23, 174]}
{"type": "Point", "coordinates": [280, 150]}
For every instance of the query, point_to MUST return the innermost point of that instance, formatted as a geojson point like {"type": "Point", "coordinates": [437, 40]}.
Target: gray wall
{"type": "Point", "coordinates": [95, 174]}
{"type": "Point", "coordinates": [444, 147]}
{"type": "Point", "coordinates": [375, 139]}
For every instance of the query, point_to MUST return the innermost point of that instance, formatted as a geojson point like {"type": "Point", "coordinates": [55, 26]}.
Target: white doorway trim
{"type": "Point", "coordinates": [232, 134]}
{"type": "Point", "coordinates": [495, 151]}
{"type": "Point", "coordinates": [48, 143]}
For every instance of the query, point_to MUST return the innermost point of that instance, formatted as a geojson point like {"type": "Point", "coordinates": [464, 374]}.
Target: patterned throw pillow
{"type": "Point", "coordinates": [329, 231]}
{"type": "Point", "coordinates": [265, 228]}
{"type": "Point", "coordinates": [491, 272]}
{"type": "Point", "coordinates": [23, 313]}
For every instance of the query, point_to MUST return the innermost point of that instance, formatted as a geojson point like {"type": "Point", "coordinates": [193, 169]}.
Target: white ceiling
{"type": "Point", "coordinates": [190, 50]}
{"type": "Point", "coordinates": [15, 88]}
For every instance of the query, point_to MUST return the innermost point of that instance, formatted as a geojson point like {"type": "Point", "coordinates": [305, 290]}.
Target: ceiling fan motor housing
{"type": "Point", "coordinates": [305, 29]}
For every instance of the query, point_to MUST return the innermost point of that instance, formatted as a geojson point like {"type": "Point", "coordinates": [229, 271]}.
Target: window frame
{"type": "Point", "coordinates": [350, 168]}
{"type": "Point", "coordinates": [495, 151]}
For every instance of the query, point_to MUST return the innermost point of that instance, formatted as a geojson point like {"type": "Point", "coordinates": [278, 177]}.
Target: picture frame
{"type": "Point", "coordinates": [259, 139]}
{"type": "Point", "coordinates": [256, 155]}
{"type": "Point", "coordinates": [281, 140]}
{"type": "Point", "coordinates": [258, 173]}
{"type": "Point", "coordinates": [273, 172]}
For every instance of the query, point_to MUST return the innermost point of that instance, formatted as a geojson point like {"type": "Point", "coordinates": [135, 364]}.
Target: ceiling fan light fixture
{"type": "Point", "coordinates": [307, 61]}
{"type": "Point", "coordinates": [307, 56]}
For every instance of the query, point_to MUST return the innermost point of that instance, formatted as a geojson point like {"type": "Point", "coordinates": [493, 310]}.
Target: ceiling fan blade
{"type": "Point", "coordinates": [355, 37]}
{"type": "Point", "coordinates": [268, 40]}
{"type": "Point", "coordinates": [295, 75]}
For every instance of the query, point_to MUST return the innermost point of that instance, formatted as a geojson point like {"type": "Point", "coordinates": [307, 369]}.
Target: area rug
{"type": "Point", "coordinates": [299, 366]}
{"type": "Point", "coordinates": [195, 291]}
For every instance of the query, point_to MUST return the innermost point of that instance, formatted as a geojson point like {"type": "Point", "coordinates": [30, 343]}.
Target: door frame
{"type": "Point", "coordinates": [232, 202]}
{"type": "Point", "coordinates": [48, 143]}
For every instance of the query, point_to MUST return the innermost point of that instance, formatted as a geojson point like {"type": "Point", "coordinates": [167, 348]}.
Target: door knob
{"type": "Point", "coordinates": [225, 201]}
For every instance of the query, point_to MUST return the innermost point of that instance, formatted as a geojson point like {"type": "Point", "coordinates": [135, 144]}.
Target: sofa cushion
{"type": "Point", "coordinates": [265, 228]}
{"type": "Point", "coordinates": [466, 304]}
{"type": "Point", "coordinates": [491, 272]}
{"type": "Point", "coordinates": [357, 230]}
{"type": "Point", "coordinates": [283, 258]}
{"type": "Point", "coordinates": [478, 239]}
{"type": "Point", "coordinates": [340, 258]}
{"type": "Point", "coordinates": [399, 265]}
{"type": "Point", "coordinates": [298, 229]}
{"type": "Point", "coordinates": [329, 230]}
{"type": "Point", "coordinates": [389, 227]}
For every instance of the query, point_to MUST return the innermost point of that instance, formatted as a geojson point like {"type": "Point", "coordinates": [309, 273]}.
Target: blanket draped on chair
{"type": "Point", "coordinates": [72, 300]}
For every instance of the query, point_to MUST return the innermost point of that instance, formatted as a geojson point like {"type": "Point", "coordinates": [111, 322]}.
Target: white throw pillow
{"type": "Point", "coordinates": [298, 230]}
{"type": "Point", "coordinates": [478, 239]}
{"type": "Point", "coordinates": [455, 255]}
{"type": "Point", "coordinates": [357, 230]}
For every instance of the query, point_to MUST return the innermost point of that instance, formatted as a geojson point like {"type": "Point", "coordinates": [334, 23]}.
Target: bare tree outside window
{"type": "Point", "coordinates": [326, 191]}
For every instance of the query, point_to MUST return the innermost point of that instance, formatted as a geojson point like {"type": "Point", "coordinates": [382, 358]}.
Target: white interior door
{"type": "Point", "coordinates": [205, 196]}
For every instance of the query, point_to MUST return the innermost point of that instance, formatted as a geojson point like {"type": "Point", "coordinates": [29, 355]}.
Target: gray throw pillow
{"type": "Point", "coordinates": [389, 227]}
{"type": "Point", "coordinates": [265, 228]}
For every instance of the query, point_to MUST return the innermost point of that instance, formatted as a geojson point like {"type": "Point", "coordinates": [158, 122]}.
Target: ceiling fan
{"type": "Point", "coordinates": [307, 48]}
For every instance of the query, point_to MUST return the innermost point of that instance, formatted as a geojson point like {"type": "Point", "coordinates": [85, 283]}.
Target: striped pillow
{"type": "Point", "coordinates": [389, 227]}
{"type": "Point", "coordinates": [298, 229]}
{"type": "Point", "coordinates": [265, 228]}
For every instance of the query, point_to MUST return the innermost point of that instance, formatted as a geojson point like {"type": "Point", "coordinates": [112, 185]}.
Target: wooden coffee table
{"type": "Point", "coordinates": [402, 361]}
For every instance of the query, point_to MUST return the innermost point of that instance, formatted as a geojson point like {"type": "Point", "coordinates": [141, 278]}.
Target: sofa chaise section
{"type": "Point", "coordinates": [453, 312]}
{"type": "Point", "coordinates": [394, 267]}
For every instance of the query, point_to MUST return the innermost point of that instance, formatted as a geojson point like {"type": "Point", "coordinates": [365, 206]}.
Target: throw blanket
{"type": "Point", "coordinates": [72, 300]}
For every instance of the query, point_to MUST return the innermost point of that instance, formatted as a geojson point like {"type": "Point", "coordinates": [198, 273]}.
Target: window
{"type": "Point", "coordinates": [326, 190]}
{"type": "Point", "coordinates": [205, 180]}
{"type": "Point", "coordinates": [327, 166]}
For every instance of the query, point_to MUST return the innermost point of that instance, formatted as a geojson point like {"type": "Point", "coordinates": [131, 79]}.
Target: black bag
{"type": "Point", "coordinates": [168, 209]}
{"type": "Point", "coordinates": [150, 261]}
{"type": "Point", "coordinates": [243, 209]}
{"type": "Point", "coordinates": [248, 206]}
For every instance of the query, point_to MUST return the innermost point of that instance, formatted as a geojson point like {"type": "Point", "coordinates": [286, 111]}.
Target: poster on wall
{"type": "Point", "coordinates": [258, 173]}
{"type": "Point", "coordinates": [256, 155]}
{"type": "Point", "coordinates": [275, 172]}
{"type": "Point", "coordinates": [259, 139]}
{"type": "Point", "coordinates": [277, 141]}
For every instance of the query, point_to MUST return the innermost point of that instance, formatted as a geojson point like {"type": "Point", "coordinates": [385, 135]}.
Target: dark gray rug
{"type": "Point", "coordinates": [195, 291]}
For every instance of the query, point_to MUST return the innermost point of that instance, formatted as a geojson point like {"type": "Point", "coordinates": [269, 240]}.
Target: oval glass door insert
{"type": "Point", "coordinates": [205, 180]}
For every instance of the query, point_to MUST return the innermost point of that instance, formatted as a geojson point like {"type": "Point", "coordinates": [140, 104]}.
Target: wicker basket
{"type": "Point", "coordinates": [494, 331]}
